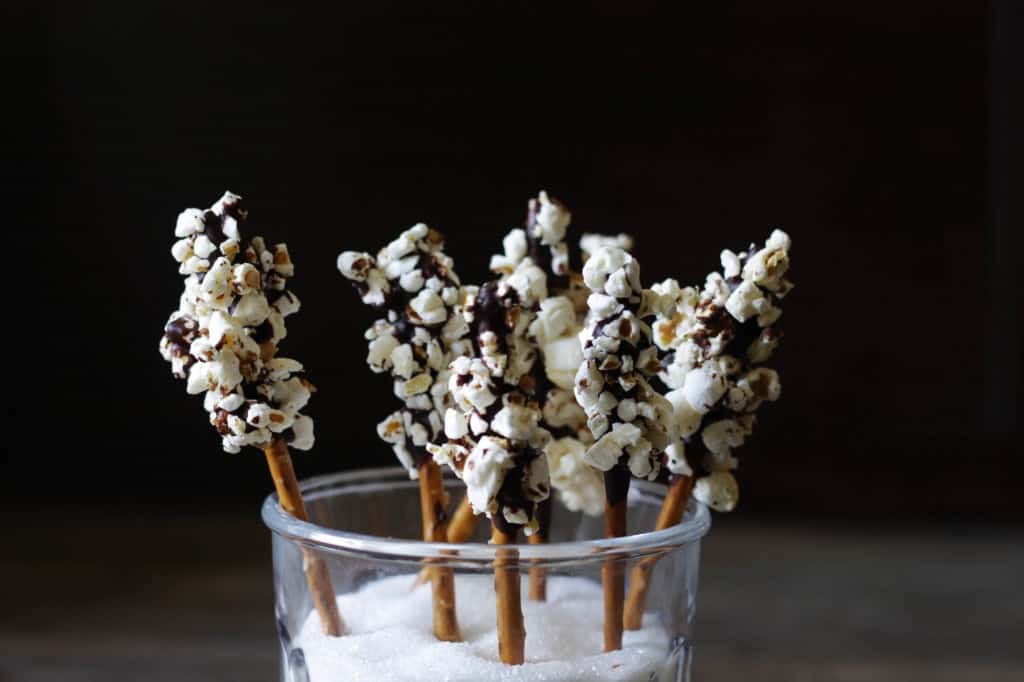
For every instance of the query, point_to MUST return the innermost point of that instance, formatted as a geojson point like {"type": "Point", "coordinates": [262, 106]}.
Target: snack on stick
{"type": "Point", "coordinates": [629, 420]}
{"type": "Point", "coordinates": [413, 281]}
{"type": "Point", "coordinates": [223, 340]}
{"type": "Point", "coordinates": [553, 333]}
{"type": "Point", "coordinates": [495, 443]}
{"type": "Point", "coordinates": [713, 347]}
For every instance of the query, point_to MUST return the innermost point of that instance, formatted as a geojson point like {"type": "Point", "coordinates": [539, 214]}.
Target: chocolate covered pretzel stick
{"type": "Point", "coordinates": [629, 420]}
{"type": "Point", "coordinates": [713, 347]}
{"type": "Point", "coordinates": [495, 444]}
{"type": "Point", "coordinates": [223, 341]}
{"type": "Point", "coordinates": [553, 333]}
{"type": "Point", "coordinates": [413, 281]}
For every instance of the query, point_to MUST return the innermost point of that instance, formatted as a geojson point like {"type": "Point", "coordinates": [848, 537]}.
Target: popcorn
{"type": "Point", "coordinates": [721, 436]}
{"type": "Point", "coordinates": [718, 490]}
{"type": "Point", "coordinates": [224, 335]}
{"type": "Point", "coordinates": [413, 283]}
{"type": "Point", "coordinates": [712, 344]}
{"type": "Point", "coordinates": [427, 309]}
{"type": "Point", "coordinates": [580, 487]}
{"type": "Point", "coordinates": [591, 243]}
{"type": "Point", "coordinates": [630, 421]}
{"type": "Point", "coordinates": [495, 439]}
{"type": "Point", "coordinates": [484, 472]}
{"type": "Point", "coordinates": [703, 387]}
{"type": "Point", "coordinates": [516, 422]}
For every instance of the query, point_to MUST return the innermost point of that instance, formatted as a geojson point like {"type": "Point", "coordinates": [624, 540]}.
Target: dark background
{"type": "Point", "coordinates": [877, 134]}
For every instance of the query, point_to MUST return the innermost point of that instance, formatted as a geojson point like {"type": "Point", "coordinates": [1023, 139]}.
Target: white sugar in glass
{"type": "Point", "coordinates": [364, 525]}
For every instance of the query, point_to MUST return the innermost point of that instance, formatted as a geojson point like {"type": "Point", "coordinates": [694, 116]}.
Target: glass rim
{"type": "Point", "coordinates": [695, 524]}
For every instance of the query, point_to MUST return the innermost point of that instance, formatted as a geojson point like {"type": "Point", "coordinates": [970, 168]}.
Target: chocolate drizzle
{"type": "Point", "coordinates": [180, 332]}
{"type": "Point", "coordinates": [616, 482]}
{"type": "Point", "coordinates": [490, 312]}
{"type": "Point", "coordinates": [513, 496]}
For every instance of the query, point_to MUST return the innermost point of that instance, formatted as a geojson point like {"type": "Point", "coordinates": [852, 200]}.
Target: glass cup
{"type": "Point", "coordinates": [364, 526]}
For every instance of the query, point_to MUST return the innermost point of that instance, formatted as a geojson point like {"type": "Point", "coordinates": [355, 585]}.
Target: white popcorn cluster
{"type": "Point", "coordinates": [542, 241]}
{"type": "Point", "coordinates": [591, 243]}
{"type": "Point", "coordinates": [713, 343]}
{"type": "Point", "coordinates": [579, 485]}
{"type": "Point", "coordinates": [223, 337]}
{"type": "Point", "coordinates": [414, 282]}
{"type": "Point", "coordinates": [495, 442]}
{"type": "Point", "coordinates": [629, 420]}
{"type": "Point", "coordinates": [554, 333]}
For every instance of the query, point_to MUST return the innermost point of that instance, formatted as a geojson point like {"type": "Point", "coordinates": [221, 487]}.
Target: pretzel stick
{"type": "Point", "coordinates": [461, 526]}
{"type": "Point", "coordinates": [317, 574]}
{"type": "Point", "coordinates": [432, 511]}
{"type": "Point", "coordinates": [538, 574]}
{"type": "Point", "coordinates": [671, 513]}
{"type": "Point", "coordinates": [511, 633]}
{"type": "Point", "coordinates": [613, 572]}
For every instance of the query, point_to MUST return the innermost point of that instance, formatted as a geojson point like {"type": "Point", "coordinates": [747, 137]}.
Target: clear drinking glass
{"type": "Point", "coordinates": [364, 526]}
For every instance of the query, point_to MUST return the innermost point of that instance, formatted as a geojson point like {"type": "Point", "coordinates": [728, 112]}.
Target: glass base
{"type": "Point", "coordinates": [364, 526]}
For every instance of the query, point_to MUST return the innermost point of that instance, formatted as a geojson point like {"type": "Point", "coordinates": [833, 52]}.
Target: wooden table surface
{"type": "Point", "coordinates": [91, 596]}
